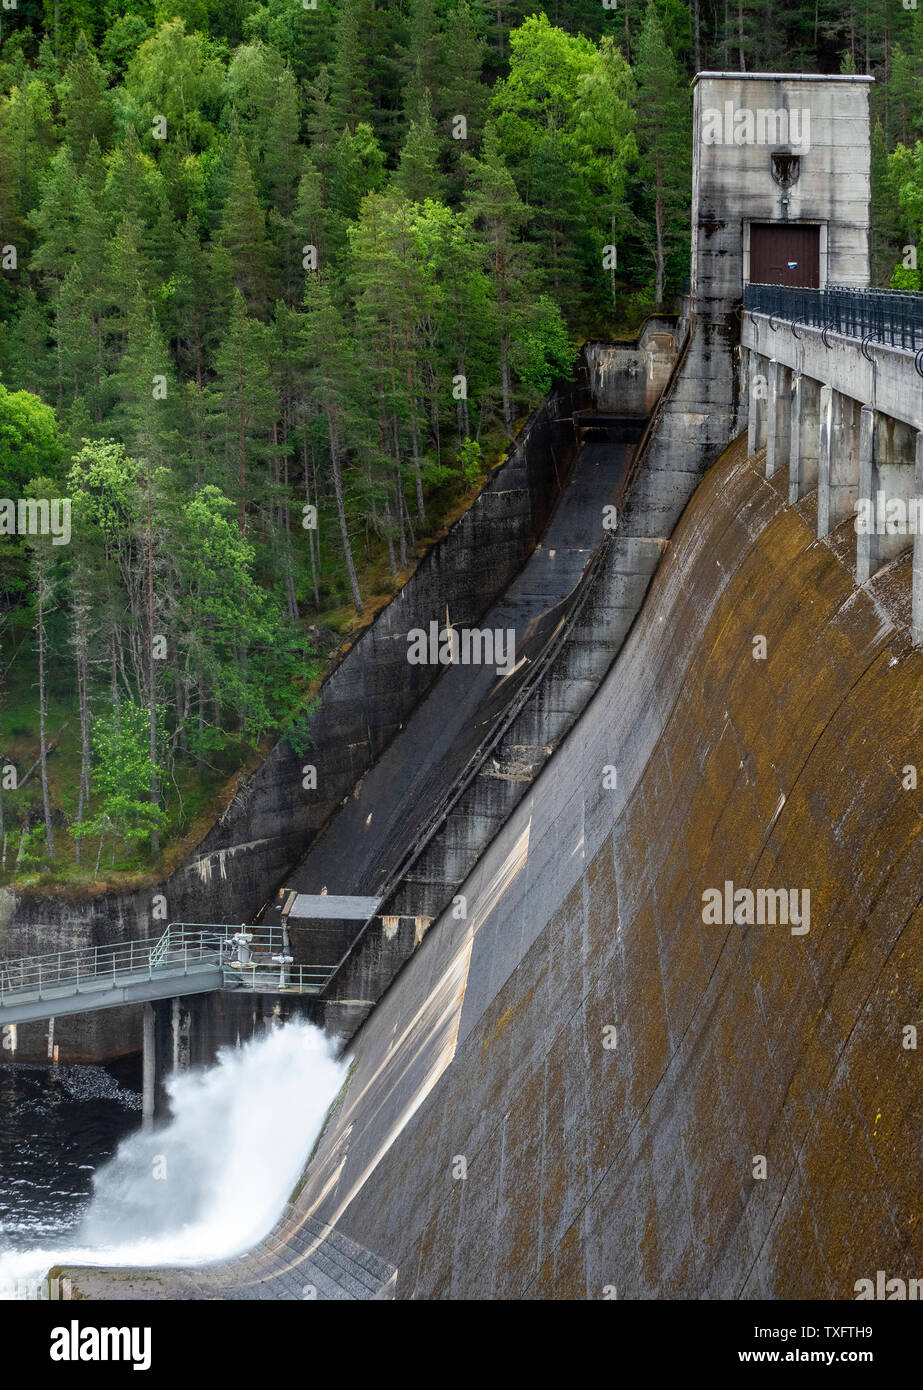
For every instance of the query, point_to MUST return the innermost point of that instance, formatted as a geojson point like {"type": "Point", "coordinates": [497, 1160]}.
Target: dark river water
{"type": "Point", "coordinates": [56, 1128]}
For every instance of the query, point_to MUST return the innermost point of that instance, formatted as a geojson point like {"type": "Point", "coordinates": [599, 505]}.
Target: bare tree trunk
{"type": "Point", "coordinates": [179, 697]}
{"type": "Point", "coordinates": [341, 513]}
{"type": "Point", "coordinates": [307, 493]}
{"type": "Point", "coordinates": [201, 757]}
{"type": "Point", "coordinates": [389, 538]}
{"type": "Point", "coordinates": [114, 677]}
{"type": "Point", "coordinates": [291, 599]}
{"type": "Point", "coordinates": [152, 678]}
{"type": "Point", "coordinates": [83, 794]}
{"type": "Point", "coordinates": [612, 244]}
{"type": "Point", "coordinates": [658, 218]}
{"type": "Point", "coordinates": [46, 800]}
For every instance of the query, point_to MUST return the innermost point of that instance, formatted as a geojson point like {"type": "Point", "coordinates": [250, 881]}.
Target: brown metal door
{"type": "Point", "coordinates": [784, 253]}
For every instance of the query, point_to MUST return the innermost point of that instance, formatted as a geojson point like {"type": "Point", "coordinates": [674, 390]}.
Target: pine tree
{"type": "Point", "coordinates": [664, 137]}
{"type": "Point", "coordinates": [604, 148]}
{"type": "Point", "coordinates": [350, 94]}
{"type": "Point", "coordinates": [329, 365]}
{"type": "Point", "coordinates": [199, 301]}
{"type": "Point", "coordinates": [494, 209]}
{"type": "Point", "coordinates": [85, 103]}
{"type": "Point", "coordinates": [282, 160]}
{"type": "Point", "coordinates": [45, 577]}
{"type": "Point", "coordinates": [459, 89]}
{"type": "Point", "coordinates": [418, 174]}
{"type": "Point", "coordinates": [244, 403]}
{"type": "Point", "coordinates": [537, 113]}
{"type": "Point", "coordinates": [243, 235]}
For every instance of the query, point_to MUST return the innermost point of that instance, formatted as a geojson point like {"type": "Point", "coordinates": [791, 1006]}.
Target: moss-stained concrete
{"type": "Point", "coordinates": [633, 1165]}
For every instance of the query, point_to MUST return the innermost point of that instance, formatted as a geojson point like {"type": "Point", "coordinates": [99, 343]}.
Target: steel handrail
{"type": "Point", "coordinates": [183, 945]}
{"type": "Point", "coordinates": [892, 317]}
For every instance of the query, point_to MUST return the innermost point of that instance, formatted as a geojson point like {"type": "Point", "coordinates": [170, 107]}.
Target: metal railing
{"type": "Point", "coordinates": [261, 972]}
{"type": "Point", "coordinates": [893, 317]}
{"type": "Point", "coordinates": [68, 969]}
{"type": "Point", "coordinates": [191, 942]}
{"type": "Point", "coordinates": [269, 977]}
{"type": "Point", "coordinates": [182, 947]}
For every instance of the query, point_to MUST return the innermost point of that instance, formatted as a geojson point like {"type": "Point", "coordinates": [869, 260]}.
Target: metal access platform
{"type": "Point", "coordinates": [189, 958]}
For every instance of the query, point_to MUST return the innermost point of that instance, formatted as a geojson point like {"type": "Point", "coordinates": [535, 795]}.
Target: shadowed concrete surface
{"type": "Point", "coordinates": [633, 1165]}
{"type": "Point", "coordinates": [378, 823]}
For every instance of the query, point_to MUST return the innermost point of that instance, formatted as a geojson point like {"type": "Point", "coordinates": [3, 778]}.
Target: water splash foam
{"type": "Point", "coordinates": [214, 1179]}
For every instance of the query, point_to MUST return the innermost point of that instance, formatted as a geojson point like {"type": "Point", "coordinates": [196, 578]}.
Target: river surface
{"type": "Point", "coordinates": [57, 1127]}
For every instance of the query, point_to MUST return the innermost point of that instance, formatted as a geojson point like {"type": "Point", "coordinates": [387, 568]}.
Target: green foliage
{"type": "Point", "coordinates": [122, 771]}
{"type": "Point", "coordinates": [174, 74]}
{"type": "Point", "coordinates": [471, 461]}
{"type": "Point", "coordinates": [30, 441]}
{"type": "Point", "coordinates": [310, 294]}
{"type": "Point", "coordinates": [542, 350]}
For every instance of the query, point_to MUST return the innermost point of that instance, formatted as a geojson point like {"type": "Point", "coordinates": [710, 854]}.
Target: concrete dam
{"type": "Point", "coordinates": [569, 1088]}
{"type": "Point", "coordinates": [631, 1009]}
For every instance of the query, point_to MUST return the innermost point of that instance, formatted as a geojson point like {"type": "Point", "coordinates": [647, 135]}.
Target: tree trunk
{"type": "Point", "coordinates": [83, 795]}
{"type": "Point", "coordinates": [22, 842]}
{"type": "Point", "coordinates": [389, 539]}
{"type": "Point", "coordinates": [658, 218]}
{"type": "Point", "coordinates": [179, 699]}
{"type": "Point", "coordinates": [201, 756]}
{"type": "Point", "coordinates": [505, 379]}
{"type": "Point", "coordinates": [152, 678]}
{"type": "Point", "coordinates": [612, 243]}
{"type": "Point", "coordinates": [505, 387]}
{"type": "Point", "coordinates": [307, 494]}
{"type": "Point", "coordinates": [341, 512]}
{"type": "Point", "coordinates": [418, 478]}
{"type": "Point", "coordinates": [46, 801]}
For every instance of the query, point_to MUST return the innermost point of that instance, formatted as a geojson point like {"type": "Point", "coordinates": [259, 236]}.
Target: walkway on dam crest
{"type": "Point", "coordinates": [835, 385]}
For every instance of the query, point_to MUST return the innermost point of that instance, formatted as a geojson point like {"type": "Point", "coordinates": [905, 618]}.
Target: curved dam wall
{"type": "Point", "coordinates": [573, 1087]}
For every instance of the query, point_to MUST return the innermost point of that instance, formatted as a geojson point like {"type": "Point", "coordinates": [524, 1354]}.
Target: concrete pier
{"type": "Point", "coordinates": [148, 1065]}
{"type": "Point", "coordinates": [778, 417]}
{"type": "Point", "coordinates": [804, 443]}
{"type": "Point", "coordinates": [866, 540]}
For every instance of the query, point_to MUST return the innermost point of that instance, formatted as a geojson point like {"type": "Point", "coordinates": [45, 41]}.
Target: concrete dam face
{"type": "Point", "coordinates": [598, 1079]}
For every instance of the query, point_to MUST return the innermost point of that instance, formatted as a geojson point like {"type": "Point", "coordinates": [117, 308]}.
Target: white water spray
{"type": "Point", "coordinates": [214, 1179]}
